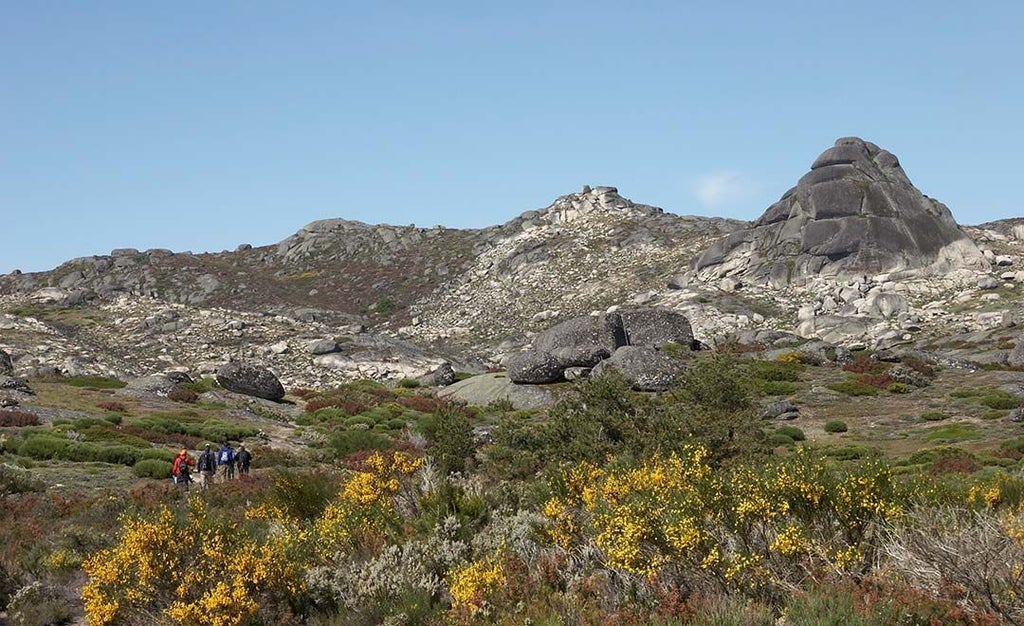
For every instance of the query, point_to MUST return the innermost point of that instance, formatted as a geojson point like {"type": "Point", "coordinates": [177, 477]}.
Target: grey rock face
{"type": "Point", "coordinates": [487, 388]}
{"type": "Point", "coordinates": [580, 356]}
{"type": "Point", "coordinates": [656, 327]}
{"type": "Point", "coordinates": [534, 367]}
{"type": "Point", "coordinates": [6, 365]}
{"type": "Point", "coordinates": [154, 384]}
{"type": "Point", "coordinates": [250, 379]}
{"type": "Point", "coordinates": [644, 367]}
{"type": "Point", "coordinates": [602, 330]}
{"type": "Point", "coordinates": [855, 212]}
{"type": "Point", "coordinates": [782, 409]}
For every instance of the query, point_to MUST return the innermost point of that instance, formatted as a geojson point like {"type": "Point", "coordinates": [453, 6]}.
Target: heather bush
{"type": "Point", "coordinates": [14, 418]}
{"type": "Point", "coordinates": [863, 364]}
{"type": "Point", "coordinates": [116, 407]}
{"type": "Point", "coordinates": [180, 394]}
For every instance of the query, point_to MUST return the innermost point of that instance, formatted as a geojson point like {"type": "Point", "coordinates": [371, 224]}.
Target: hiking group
{"type": "Point", "coordinates": [227, 459]}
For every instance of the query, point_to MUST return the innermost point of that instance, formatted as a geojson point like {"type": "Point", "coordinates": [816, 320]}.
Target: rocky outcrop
{"type": "Point", "coordinates": [854, 213]}
{"type": "Point", "coordinates": [626, 341]}
{"type": "Point", "coordinates": [603, 330]}
{"type": "Point", "coordinates": [250, 379]}
{"type": "Point", "coordinates": [643, 366]}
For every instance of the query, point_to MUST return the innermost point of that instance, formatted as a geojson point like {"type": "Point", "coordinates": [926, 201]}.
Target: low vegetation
{"type": "Point", "coordinates": [383, 504]}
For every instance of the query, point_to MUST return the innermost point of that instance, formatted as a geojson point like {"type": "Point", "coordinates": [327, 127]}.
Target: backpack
{"type": "Point", "coordinates": [227, 456]}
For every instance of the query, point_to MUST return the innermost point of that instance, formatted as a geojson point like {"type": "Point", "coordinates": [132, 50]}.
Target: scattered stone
{"type": "Point", "coordinates": [323, 346]}
{"type": "Point", "coordinates": [987, 282]}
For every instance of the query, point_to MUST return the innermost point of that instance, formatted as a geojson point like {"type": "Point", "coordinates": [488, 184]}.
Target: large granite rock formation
{"type": "Point", "coordinates": [854, 213]}
{"type": "Point", "coordinates": [628, 341]}
{"type": "Point", "coordinates": [250, 379]}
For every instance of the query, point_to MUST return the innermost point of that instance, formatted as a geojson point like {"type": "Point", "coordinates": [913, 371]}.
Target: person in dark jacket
{"type": "Point", "coordinates": [244, 457]}
{"type": "Point", "coordinates": [207, 467]}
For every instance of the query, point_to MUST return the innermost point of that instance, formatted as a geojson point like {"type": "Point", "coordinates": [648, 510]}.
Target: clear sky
{"type": "Point", "coordinates": [202, 125]}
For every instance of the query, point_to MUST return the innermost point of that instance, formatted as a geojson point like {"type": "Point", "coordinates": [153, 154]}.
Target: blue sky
{"type": "Point", "coordinates": [202, 125]}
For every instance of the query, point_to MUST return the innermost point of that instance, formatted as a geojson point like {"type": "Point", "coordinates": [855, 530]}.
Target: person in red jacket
{"type": "Point", "coordinates": [181, 471]}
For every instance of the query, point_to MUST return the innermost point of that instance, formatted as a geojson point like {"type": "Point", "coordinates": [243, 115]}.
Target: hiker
{"type": "Point", "coordinates": [226, 461]}
{"type": "Point", "coordinates": [180, 472]}
{"type": "Point", "coordinates": [207, 467]}
{"type": "Point", "coordinates": [244, 457]}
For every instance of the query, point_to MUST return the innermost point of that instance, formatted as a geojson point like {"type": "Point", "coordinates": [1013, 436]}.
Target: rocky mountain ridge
{"type": "Point", "coordinates": [341, 299]}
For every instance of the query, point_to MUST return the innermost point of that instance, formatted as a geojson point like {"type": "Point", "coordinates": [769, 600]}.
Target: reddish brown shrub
{"type": "Point", "coordinates": [18, 418]}
{"type": "Point", "coordinates": [880, 381]}
{"type": "Point", "coordinates": [178, 439]}
{"type": "Point", "coordinates": [735, 347]}
{"type": "Point", "coordinates": [182, 395]}
{"type": "Point", "coordinates": [918, 365]}
{"type": "Point", "coordinates": [954, 461]}
{"type": "Point", "coordinates": [116, 407]}
{"type": "Point", "coordinates": [862, 364]}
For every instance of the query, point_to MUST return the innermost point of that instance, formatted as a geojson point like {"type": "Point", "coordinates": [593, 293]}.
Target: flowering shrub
{"type": "Point", "coordinates": [752, 528]}
{"type": "Point", "coordinates": [191, 568]}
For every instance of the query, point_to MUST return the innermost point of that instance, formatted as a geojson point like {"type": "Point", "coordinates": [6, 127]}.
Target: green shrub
{"type": "Point", "coordinates": [408, 383]}
{"type": "Point", "coordinates": [967, 393]}
{"type": "Point", "coordinates": [364, 420]}
{"type": "Point", "coordinates": [850, 452]}
{"type": "Point", "coordinates": [453, 441]}
{"type": "Point", "coordinates": [775, 371]}
{"type": "Point", "coordinates": [854, 388]}
{"type": "Point", "coordinates": [302, 494]}
{"type": "Point", "coordinates": [344, 442]}
{"type": "Point", "coordinates": [42, 447]}
{"type": "Point", "coordinates": [1001, 400]}
{"type": "Point", "coordinates": [792, 432]}
{"type": "Point", "coordinates": [780, 439]}
{"type": "Point", "coordinates": [952, 433]}
{"type": "Point", "coordinates": [899, 388]}
{"type": "Point", "coordinates": [200, 386]}
{"type": "Point", "coordinates": [775, 387]}
{"type": "Point", "coordinates": [933, 416]}
{"type": "Point", "coordinates": [152, 468]}
{"type": "Point", "coordinates": [836, 426]}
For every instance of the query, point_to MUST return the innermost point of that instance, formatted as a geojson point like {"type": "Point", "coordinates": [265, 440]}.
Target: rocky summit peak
{"type": "Point", "coordinates": [854, 213]}
{"type": "Point", "coordinates": [591, 200]}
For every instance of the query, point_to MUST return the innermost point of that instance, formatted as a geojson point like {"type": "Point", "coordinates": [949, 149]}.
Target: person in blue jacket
{"type": "Point", "coordinates": [226, 462]}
